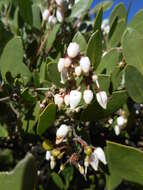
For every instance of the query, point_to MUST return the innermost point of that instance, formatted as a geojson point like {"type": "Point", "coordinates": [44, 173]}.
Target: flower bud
{"type": "Point", "coordinates": [73, 50]}
{"type": "Point", "coordinates": [117, 129]}
{"type": "Point", "coordinates": [59, 2]}
{"type": "Point", "coordinates": [61, 64]}
{"type": "Point", "coordinates": [100, 155]}
{"type": "Point", "coordinates": [121, 121]}
{"type": "Point", "coordinates": [62, 167]}
{"type": "Point", "coordinates": [47, 145]}
{"type": "Point", "coordinates": [64, 75]}
{"type": "Point", "coordinates": [67, 99]}
{"type": "Point", "coordinates": [81, 169]}
{"type": "Point", "coordinates": [67, 62]}
{"type": "Point", "coordinates": [88, 150]}
{"type": "Point", "coordinates": [55, 152]}
{"type": "Point", "coordinates": [46, 15]}
{"type": "Point", "coordinates": [102, 99]}
{"type": "Point", "coordinates": [88, 96]}
{"type": "Point", "coordinates": [52, 20]}
{"type": "Point", "coordinates": [94, 78]}
{"type": "Point", "coordinates": [75, 97]}
{"type": "Point", "coordinates": [58, 99]}
{"type": "Point", "coordinates": [52, 163]}
{"type": "Point", "coordinates": [78, 71]}
{"type": "Point", "coordinates": [48, 155]}
{"type": "Point", "coordinates": [60, 15]}
{"type": "Point", "coordinates": [85, 64]}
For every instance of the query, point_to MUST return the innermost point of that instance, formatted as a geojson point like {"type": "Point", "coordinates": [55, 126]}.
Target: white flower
{"type": "Point", "coordinates": [48, 155]}
{"type": "Point", "coordinates": [59, 2]}
{"type": "Point", "coordinates": [60, 15]}
{"type": "Point", "coordinates": [75, 97]}
{"type": "Point", "coordinates": [46, 15]}
{"type": "Point", "coordinates": [78, 71]}
{"type": "Point", "coordinates": [117, 129]}
{"type": "Point", "coordinates": [67, 62]}
{"type": "Point", "coordinates": [93, 160]}
{"type": "Point", "coordinates": [88, 96]}
{"type": "Point", "coordinates": [67, 99]}
{"type": "Point", "coordinates": [61, 133]}
{"type": "Point", "coordinates": [58, 99]}
{"type": "Point", "coordinates": [52, 20]}
{"type": "Point", "coordinates": [102, 99]}
{"type": "Point", "coordinates": [61, 63]}
{"type": "Point", "coordinates": [73, 50]}
{"type": "Point", "coordinates": [85, 64]}
{"type": "Point", "coordinates": [121, 121]}
{"type": "Point", "coordinates": [64, 75]}
{"type": "Point", "coordinates": [100, 155]}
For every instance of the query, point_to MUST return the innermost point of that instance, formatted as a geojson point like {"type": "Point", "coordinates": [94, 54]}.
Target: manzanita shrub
{"type": "Point", "coordinates": [71, 94]}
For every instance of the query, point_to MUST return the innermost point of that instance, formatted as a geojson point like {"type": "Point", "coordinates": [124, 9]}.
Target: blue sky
{"type": "Point", "coordinates": [136, 6]}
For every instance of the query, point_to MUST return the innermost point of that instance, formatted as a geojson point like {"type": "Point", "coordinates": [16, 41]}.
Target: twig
{"type": "Point", "coordinates": [4, 99]}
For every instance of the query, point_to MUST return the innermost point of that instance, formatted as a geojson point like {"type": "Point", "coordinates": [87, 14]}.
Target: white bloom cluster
{"type": "Point", "coordinates": [47, 17]}
{"type": "Point", "coordinates": [105, 26]}
{"type": "Point", "coordinates": [72, 66]}
{"type": "Point", "coordinates": [93, 159]}
{"type": "Point", "coordinates": [61, 8]}
{"type": "Point", "coordinates": [121, 121]}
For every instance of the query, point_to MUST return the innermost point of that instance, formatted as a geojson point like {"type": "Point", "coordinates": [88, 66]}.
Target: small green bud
{"type": "Point", "coordinates": [47, 145]}
{"type": "Point", "coordinates": [55, 152]}
{"type": "Point", "coordinates": [88, 150]}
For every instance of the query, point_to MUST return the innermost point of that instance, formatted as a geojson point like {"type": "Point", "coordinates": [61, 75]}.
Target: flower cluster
{"type": "Point", "coordinates": [73, 67]}
{"type": "Point", "coordinates": [57, 14]}
{"type": "Point", "coordinates": [92, 155]}
{"type": "Point", "coordinates": [120, 123]}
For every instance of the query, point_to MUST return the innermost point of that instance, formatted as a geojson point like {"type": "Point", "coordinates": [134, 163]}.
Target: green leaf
{"type": "Point", "coordinates": [5, 36]}
{"type": "Point", "coordinates": [52, 36]}
{"type": "Point", "coordinates": [104, 82]}
{"type": "Point", "coordinates": [134, 83]}
{"type": "Point", "coordinates": [36, 16]}
{"type": "Point", "coordinates": [80, 9]}
{"type": "Point", "coordinates": [6, 157]}
{"type": "Point", "coordinates": [25, 9]}
{"type": "Point", "coordinates": [105, 5]}
{"type": "Point", "coordinates": [22, 177]}
{"type": "Point", "coordinates": [116, 32]}
{"type": "Point", "coordinates": [47, 118]}
{"type": "Point", "coordinates": [98, 20]}
{"type": "Point", "coordinates": [137, 22]}
{"type": "Point", "coordinates": [125, 163]}
{"type": "Point", "coordinates": [29, 123]}
{"type": "Point", "coordinates": [57, 180]}
{"type": "Point", "coordinates": [3, 131]}
{"type": "Point", "coordinates": [53, 74]}
{"type": "Point", "coordinates": [96, 112]}
{"type": "Point", "coordinates": [94, 49]}
{"type": "Point", "coordinates": [116, 78]}
{"type": "Point", "coordinates": [119, 12]}
{"type": "Point", "coordinates": [67, 174]}
{"type": "Point", "coordinates": [12, 60]}
{"type": "Point", "coordinates": [109, 62]}
{"type": "Point", "coordinates": [132, 43]}
{"type": "Point", "coordinates": [79, 38]}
